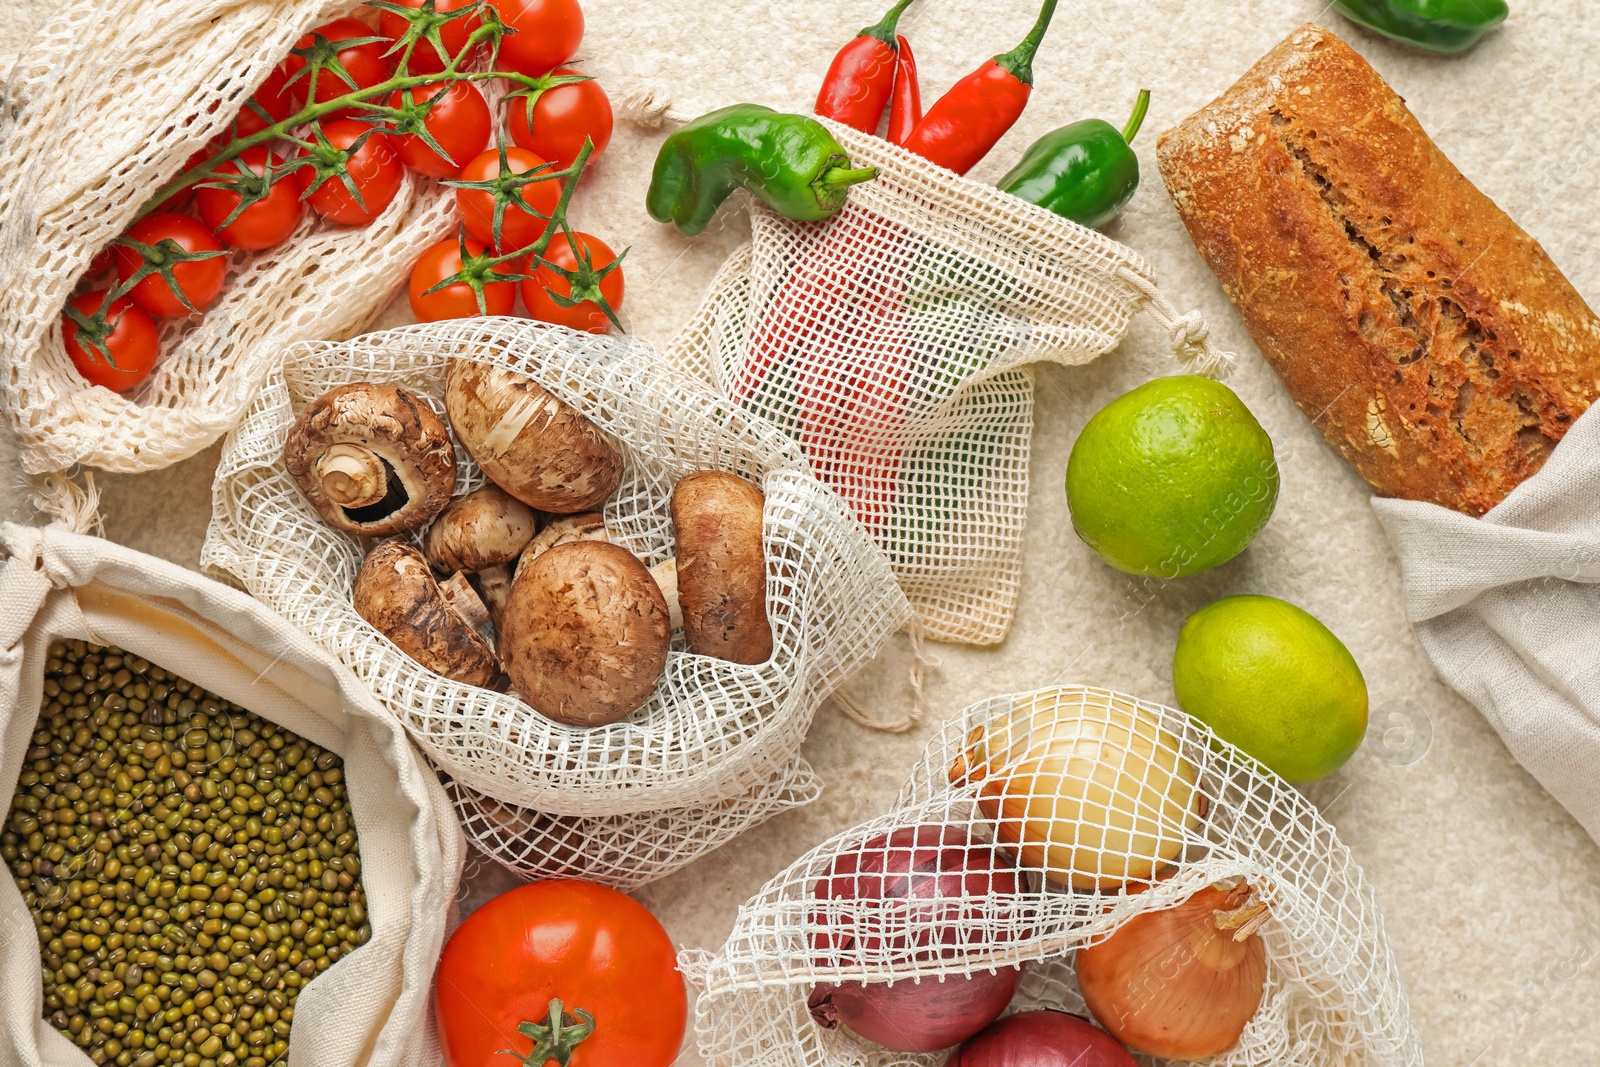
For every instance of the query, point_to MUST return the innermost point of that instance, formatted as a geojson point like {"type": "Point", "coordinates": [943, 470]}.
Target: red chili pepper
{"type": "Point", "coordinates": [857, 87]}
{"type": "Point", "coordinates": [966, 122]}
{"type": "Point", "coordinates": [905, 103]}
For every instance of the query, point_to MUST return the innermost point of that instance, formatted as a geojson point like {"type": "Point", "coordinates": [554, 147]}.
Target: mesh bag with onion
{"type": "Point", "coordinates": [65, 195]}
{"type": "Point", "coordinates": [715, 747]}
{"type": "Point", "coordinates": [892, 341]}
{"type": "Point", "coordinates": [1072, 849]}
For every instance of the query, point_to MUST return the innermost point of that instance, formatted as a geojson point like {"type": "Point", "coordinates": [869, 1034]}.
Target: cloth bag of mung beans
{"type": "Point", "coordinates": [893, 342]}
{"type": "Point", "coordinates": [715, 749]}
{"type": "Point", "coordinates": [156, 80]}
{"type": "Point", "coordinates": [1058, 816]}
{"type": "Point", "coordinates": [216, 787]}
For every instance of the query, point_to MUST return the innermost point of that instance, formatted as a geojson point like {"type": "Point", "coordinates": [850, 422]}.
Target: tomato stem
{"type": "Point", "coordinates": [554, 1039]}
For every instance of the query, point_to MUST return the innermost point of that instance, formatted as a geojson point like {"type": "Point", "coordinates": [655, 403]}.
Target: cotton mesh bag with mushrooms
{"type": "Point", "coordinates": [591, 590]}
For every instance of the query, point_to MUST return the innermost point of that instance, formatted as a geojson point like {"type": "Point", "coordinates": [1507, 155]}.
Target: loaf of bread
{"type": "Point", "coordinates": [1429, 338]}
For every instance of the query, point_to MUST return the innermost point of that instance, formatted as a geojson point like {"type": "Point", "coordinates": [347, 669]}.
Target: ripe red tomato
{"type": "Point", "coordinates": [425, 59]}
{"type": "Point", "coordinates": [276, 97]}
{"type": "Point", "coordinates": [366, 64]}
{"type": "Point", "coordinates": [584, 316]}
{"type": "Point", "coordinates": [133, 344]}
{"type": "Point", "coordinates": [263, 224]}
{"type": "Point", "coordinates": [548, 34]}
{"type": "Point", "coordinates": [596, 950]}
{"type": "Point", "coordinates": [267, 222]}
{"type": "Point", "coordinates": [199, 280]}
{"type": "Point", "coordinates": [456, 301]}
{"type": "Point", "coordinates": [375, 168]}
{"type": "Point", "coordinates": [459, 122]}
{"type": "Point", "coordinates": [562, 118]}
{"type": "Point", "coordinates": [518, 229]}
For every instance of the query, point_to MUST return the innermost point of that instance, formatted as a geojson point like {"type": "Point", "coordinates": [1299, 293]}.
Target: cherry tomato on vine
{"type": "Point", "coordinates": [459, 122]}
{"type": "Point", "coordinates": [425, 59]}
{"type": "Point", "coordinates": [366, 64]}
{"type": "Point", "coordinates": [267, 222]}
{"type": "Point", "coordinates": [586, 315]}
{"type": "Point", "coordinates": [456, 301]}
{"type": "Point", "coordinates": [276, 97]}
{"type": "Point", "coordinates": [599, 952]}
{"type": "Point", "coordinates": [518, 229]}
{"type": "Point", "coordinates": [200, 280]}
{"type": "Point", "coordinates": [548, 34]}
{"type": "Point", "coordinates": [375, 168]}
{"type": "Point", "coordinates": [562, 118]}
{"type": "Point", "coordinates": [133, 344]}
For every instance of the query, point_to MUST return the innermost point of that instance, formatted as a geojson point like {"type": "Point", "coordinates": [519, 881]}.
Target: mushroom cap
{"type": "Point", "coordinates": [396, 592]}
{"type": "Point", "coordinates": [585, 634]}
{"type": "Point", "coordinates": [722, 567]}
{"type": "Point", "coordinates": [527, 442]}
{"type": "Point", "coordinates": [483, 529]}
{"type": "Point", "coordinates": [590, 526]}
{"type": "Point", "coordinates": [374, 460]}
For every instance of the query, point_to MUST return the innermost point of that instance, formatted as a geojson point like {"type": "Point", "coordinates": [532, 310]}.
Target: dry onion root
{"type": "Point", "coordinates": [1184, 982]}
{"type": "Point", "coordinates": [1087, 788]}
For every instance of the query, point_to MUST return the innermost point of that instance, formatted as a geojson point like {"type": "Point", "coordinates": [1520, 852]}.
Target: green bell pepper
{"type": "Point", "coordinates": [791, 162]}
{"type": "Point", "coordinates": [1446, 26]}
{"type": "Point", "coordinates": [1086, 172]}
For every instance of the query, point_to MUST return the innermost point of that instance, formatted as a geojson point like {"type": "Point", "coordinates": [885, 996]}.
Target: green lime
{"type": "Point", "coordinates": [1172, 478]}
{"type": "Point", "coordinates": [1269, 678]}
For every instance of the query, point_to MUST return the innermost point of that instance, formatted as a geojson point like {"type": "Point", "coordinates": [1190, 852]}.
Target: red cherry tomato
{"type": "Point", "coordinates": [548, 34]}
{"type": "Point", "coordinates": [459, 122]}
{"type": "Point", "coordinates": [133, 344]}
{"type": "Point", "coordinates": [199, 280]}
{"type": "Point", "coordinates": [562, 118]}
{"type": "Point", "coordinates": [595, 949]}
{"type": "Point", "coordinates": [584, 316]}
{"type": "Point", "coordinates": [375, 168]}
{"type": "Point", "coordinates": [518, 229]}
{"type": "Point", "coordinates": [267, 222]}
{"type": "Point", "coordinates": [456, 301]}
{"type": "Point", "coordinates": [425, 59]}
{"type": "Point", "coordinates": [366, 64]}
{"type": "Point", "coordinates": [276, 97]}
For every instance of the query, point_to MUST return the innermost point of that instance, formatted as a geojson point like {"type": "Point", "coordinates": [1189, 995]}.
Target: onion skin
{"type": "Point", "coordinates": [1041, 1039]}
{"type": "Point", "coordinates": [913, 1016]}
{"type": "Point", "coordinates": [918, 895]}
{"type": "Point", "coordinates": [1174, 983]}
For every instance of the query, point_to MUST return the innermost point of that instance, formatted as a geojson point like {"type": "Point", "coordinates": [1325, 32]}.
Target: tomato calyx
{"type": "Point", "coordinates": [554, 1039]}
{"type": "Point", "coordinates": [478, 271]}
{"type": "Point", "coordinates": [322, 56]}
{"type": "Point", "coordinates": [543, 84]}
{"type": "Point", "coordinates": [159, 258]}
{"type": "Point", "coordinates": [506, 188]}
{"type": "Point", "coordinates": [328, 161]}
{"type": "Point", "coordinates": [425, 22]}
{"type": "Point", "coordinates": [411, 117]}
{"type": "Point", "coordinates": [95, 330]}
{"type": "Point", "coordinates": [250, 187]}
{"type": "Point", "coordinates": [583, 284]}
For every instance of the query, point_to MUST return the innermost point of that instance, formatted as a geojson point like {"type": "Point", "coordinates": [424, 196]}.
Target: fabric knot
{"type": "Point", "coordinates": [646, 104]}
{"type": "Point", "coordinates": [1190, 333]}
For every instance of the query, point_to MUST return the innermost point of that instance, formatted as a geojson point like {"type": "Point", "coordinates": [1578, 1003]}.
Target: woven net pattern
{"type": "Point", "coordinates": [1333, 993]}
{"type": "Point", "coordinates": [892, 342]}
{"type": "Point", "coordinates": [150, 107]}
{"type": "Point", "coordinates": [713, 731]}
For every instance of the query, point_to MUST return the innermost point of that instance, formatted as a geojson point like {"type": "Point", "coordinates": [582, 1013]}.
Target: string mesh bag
{"type": "Point", "coordinates": [1063, 814]}
{"type": "Point", "coordinates": [370, 1008]}
{"type": "Point", "coordinates": [150, 108]}
{"type": "Point", "coordinates": [714, 734]}
{"type": "Point", "coordinates": [892, 341]}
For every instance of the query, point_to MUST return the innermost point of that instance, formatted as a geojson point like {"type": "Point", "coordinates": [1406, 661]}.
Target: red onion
{"type": "Point", "coordinates": [916, 895]}
{"type": "Point", "coordinates": [1042, 1039]}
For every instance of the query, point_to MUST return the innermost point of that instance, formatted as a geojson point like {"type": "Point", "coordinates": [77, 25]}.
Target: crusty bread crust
{"type": "Point", "coordinates": [1429, 339]}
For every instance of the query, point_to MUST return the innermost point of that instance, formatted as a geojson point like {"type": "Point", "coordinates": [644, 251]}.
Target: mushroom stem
{"type": "Point", "coordinates": [494, 583]}
{"type": "Point", "coordinates": [351, 476]}
{"type": "Point", "coordinates": [462, 599]}
{"type": "Point", "coordinates": [666, 575]}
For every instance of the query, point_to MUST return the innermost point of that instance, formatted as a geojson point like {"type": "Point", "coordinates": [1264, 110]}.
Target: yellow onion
{"type": "Point", "coordinates": [1181, 983]}
{"type": "Point", "coordinates": [1084, 785]}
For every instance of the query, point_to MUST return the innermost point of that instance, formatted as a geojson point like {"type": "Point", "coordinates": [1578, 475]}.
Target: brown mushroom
{"type": "Point", "coordinates": [374, 460]}
{"type": "Point", "coordinates": [532, 841]}
{"type": "Point", "coordinates": [532, 445]}
{"type": "Point", "coordinates": [590, 526]}
{"type": "Point", "coordinates": [722, 568]}
{"type": "Point", "coordinates": [586, 633]}
{"type": "Point", "coordinates": [483, 529]}
{"type": "Point", "coordinates": [435, 625]}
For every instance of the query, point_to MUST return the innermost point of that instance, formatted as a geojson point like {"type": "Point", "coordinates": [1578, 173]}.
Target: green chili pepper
{"type": "Point", "coordinates": [1446, 26]}
{"type": "Point", "coordinates": [790, 161]}
{"type": "Point", "coordinates": [1085, 172]}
